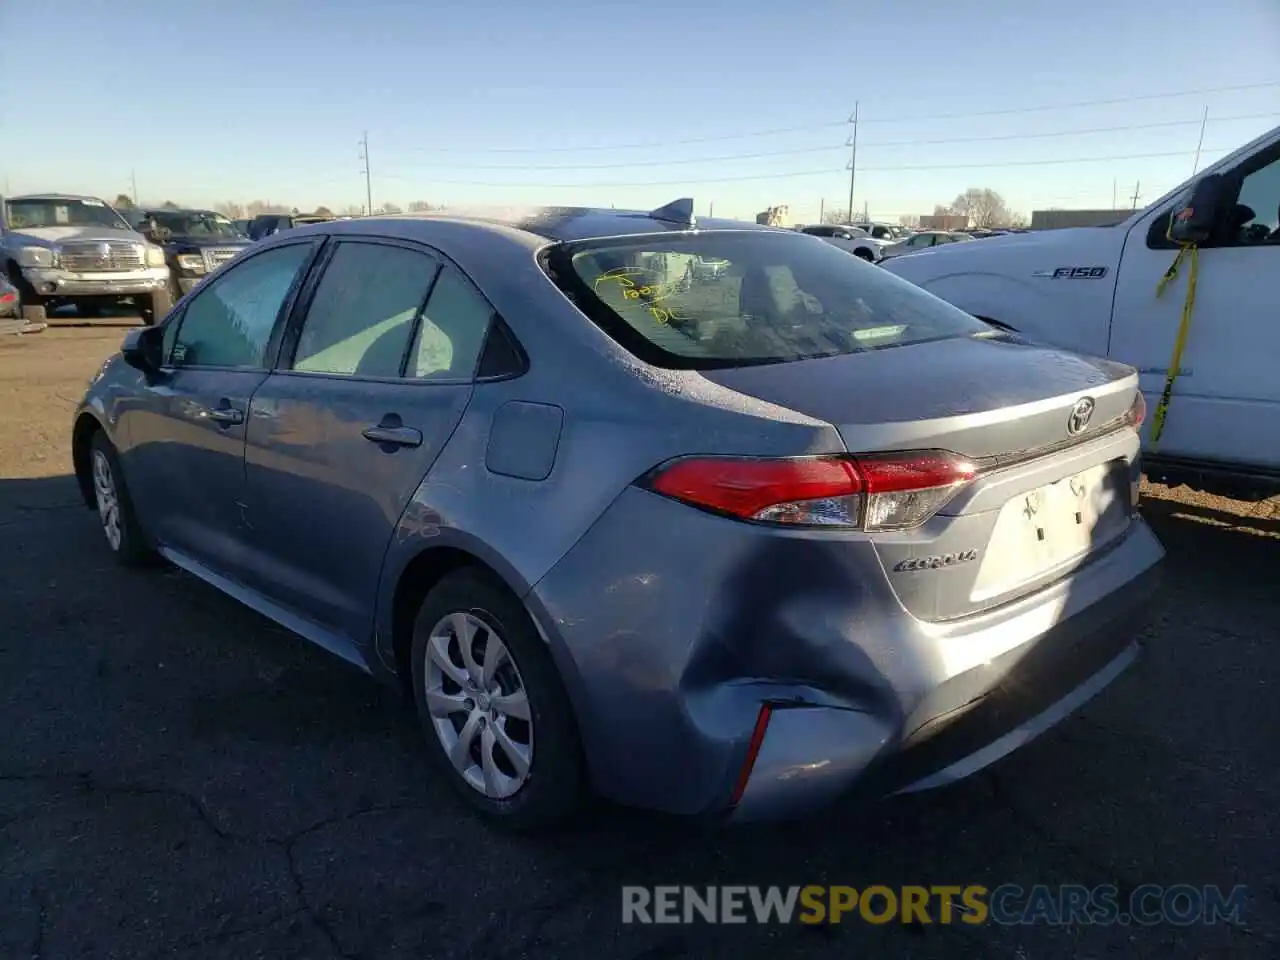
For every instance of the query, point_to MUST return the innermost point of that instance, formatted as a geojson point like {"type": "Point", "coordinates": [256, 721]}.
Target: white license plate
{"type": "Point", "coordinates": [1050, 526]}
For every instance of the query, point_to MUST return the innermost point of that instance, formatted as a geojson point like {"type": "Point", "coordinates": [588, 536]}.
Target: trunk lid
{"type": "Point", "coordinates": [981, 397]}
{"type": "Point", "coordinates": [1047, 497]}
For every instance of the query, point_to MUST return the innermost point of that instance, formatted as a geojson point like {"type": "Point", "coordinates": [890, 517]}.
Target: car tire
{"type": "Point", "coordinates": [115, 510]}
{"type": "Point", "coordinates": [519, 773]}
{"type": "Point", "coordinates": [864, 255]}
{"type": "Point", "coordinates": [154, 307]}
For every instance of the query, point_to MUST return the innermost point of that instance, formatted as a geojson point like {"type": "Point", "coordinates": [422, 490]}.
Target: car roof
{"type": "Point", "coordinates": [555, 224]}
{"type": "Point", "coordinates": [55, 196]}
{"type": "Point", "coordinates": [187, 210]}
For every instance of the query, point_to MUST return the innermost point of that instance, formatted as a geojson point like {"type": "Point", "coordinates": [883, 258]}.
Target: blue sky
{"type": "Point", "coordinates": [739, 104]}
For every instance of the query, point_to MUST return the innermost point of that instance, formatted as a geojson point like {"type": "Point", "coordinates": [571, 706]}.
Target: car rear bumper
{"type": "Point", "coordinates": [672, 629]}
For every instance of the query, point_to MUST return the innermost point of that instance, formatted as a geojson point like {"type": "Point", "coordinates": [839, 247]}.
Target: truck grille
{"type": "Point", "coordinates": [214, 257]}
{"type": "Point", "coordinates": [98, 256]}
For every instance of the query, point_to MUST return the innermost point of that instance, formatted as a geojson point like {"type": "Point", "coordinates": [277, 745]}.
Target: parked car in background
{"type": "Point", "coordinates": [923, 241]}
{"type": "Point", "coordinates": [1094, 289]}
{"type": "Point", "coordinates": [242, 226]}
{"type": "Point", "coordinates": [269, 224]}
{"type": "Point", "coordinates": [727, 548]}
{"type": "Point", "coordinates": [853, 239]}
{"type": "Point", "coordinates": [195, 243]}
{"type": "Point", "coordinates": [884, 232]}
{"type": "Point", "coordinates": [10, 307]}
{"type": "Point", "coordinates": [68, 249]}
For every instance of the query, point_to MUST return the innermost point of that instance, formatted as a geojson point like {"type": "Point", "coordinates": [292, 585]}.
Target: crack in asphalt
{"type": "Point", "coordinates": [86, 782]}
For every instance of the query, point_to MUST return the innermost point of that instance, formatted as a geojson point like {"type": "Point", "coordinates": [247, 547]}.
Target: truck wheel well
{"type": "Point", "coordinates": [419, 577]}
{"type": "Point", "coordinates": [81, 439]}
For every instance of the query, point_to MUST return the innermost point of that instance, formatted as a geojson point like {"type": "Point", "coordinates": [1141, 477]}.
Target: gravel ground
{"type": "Point", "coordinates": [179, 777]}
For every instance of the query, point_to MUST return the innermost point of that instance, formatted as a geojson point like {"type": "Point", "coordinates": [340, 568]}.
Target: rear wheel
{"type": "Point", "coordinates": [115, 509]}
{"type": "Point", "coordinates": [496, 717]}
{"type": "Point", "coordinates": [863, 254]}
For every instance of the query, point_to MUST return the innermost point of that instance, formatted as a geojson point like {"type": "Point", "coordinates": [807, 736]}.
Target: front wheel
{"type": "Point", "coordinates": [495, 714]}
{"type": "Point", "coordinates": [153, 307]}
{"type": "Point", "coordinates": [863, 254]}
{"type": "Point", "coordinates": [115, 509]}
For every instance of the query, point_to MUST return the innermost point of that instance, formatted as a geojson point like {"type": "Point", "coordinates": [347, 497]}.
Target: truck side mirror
{"type": "Point", "coordinates": [1197, 219]}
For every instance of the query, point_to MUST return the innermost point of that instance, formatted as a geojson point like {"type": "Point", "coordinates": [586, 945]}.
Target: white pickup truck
{"type": "Point", "coordinates": [1093, 289]}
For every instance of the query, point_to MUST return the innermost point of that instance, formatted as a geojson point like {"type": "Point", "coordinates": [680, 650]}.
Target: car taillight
{"type": "Point", "coordinates": [1137, 413]}
{"type": "Point", "coordinates": [880, 492]}
{"type": "Point", "coordinates": [8, 297]}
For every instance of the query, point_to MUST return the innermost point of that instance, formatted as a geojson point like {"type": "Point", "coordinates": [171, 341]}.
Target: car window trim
{"type": "Point", "coordinates": [293, 329]}
{"type": "Point", "coordinates": [282, 315]}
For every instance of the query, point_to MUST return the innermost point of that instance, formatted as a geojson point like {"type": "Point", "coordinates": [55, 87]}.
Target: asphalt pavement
{"type": "Point", "coordinates": [181, 778]}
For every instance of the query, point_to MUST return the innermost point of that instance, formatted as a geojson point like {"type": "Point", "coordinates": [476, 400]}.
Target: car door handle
{"type": "Point", "coordinates": [226, 415]}
{"type": "Point", "coordinates": [396, 436]}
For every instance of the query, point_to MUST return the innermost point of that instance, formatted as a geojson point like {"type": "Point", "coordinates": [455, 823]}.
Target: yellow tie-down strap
{"type": "Point", "coordinates": [1192, 252]}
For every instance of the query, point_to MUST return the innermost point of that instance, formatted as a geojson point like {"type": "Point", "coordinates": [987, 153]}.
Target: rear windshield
{"type": "Point", "coordinates": [733, 298]}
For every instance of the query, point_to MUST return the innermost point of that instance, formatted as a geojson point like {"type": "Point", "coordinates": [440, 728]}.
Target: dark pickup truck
{"type": "Point", "coordinates": [195, 242]}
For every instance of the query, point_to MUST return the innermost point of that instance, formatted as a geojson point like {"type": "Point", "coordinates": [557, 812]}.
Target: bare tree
{"type": "Point", "coordinates": [353, 211]}
{"type": "Point", "coordinates": [230, 209]}
{"type": "Point", "coordinates": [323, 212]}
{"type": "Point", "coordinates": [942, 210]}
{"type": "Point", "coordinates": [390, 208]}
{"type": "Point", "coordinates": [255, 208]}
{"type": "Point", "coordinates": [421, 206]}
{"type": "Point", "coordinates": [983, 206]}
{"type": "Point", "coordinates": [170, 205]}
{"type": "Point", "coordinates": [909, 220]}
{"type": "Point", "coordinates": [835, 216]}
{"type": "Point", "coordinates": [123, 202]}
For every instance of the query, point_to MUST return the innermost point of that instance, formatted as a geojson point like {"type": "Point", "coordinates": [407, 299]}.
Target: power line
{"type": "Point", "coordinates": [722, 158]}
{"type": "Point", "coordinates": [826, 171]}
{"type": "Point", "coordinates": [841, 123]}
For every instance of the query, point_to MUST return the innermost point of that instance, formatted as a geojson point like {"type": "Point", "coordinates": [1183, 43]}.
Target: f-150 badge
{"type": "Point", "coordinates": [1073, 273]}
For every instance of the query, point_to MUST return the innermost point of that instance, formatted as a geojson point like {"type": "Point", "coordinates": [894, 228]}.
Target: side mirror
{"type": "Point", "coordinates": [142, 349]}
{"type": "Point", "coordinates": [1196, 220]}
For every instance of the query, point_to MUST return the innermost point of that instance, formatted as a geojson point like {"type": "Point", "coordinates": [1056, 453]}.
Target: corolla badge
{"type": "Point", "coordinates": [1081, 414]}
{"type": "Point", "coordinates": [935, 563]}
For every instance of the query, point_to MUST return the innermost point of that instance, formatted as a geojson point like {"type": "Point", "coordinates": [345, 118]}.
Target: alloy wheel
{"type": "Point", "coordinates": [478, 705]}
{"type": "Point", "coordinates": [104, 490]}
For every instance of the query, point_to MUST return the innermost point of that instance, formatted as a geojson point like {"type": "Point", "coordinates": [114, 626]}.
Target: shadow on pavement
{"type": "Point", "coordinates": [179, 777]}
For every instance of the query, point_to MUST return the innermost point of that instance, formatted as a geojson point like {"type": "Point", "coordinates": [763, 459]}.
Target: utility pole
{"type": "Point", "coordinates": [822, 210]}
{"type": "Point", "coordinates": [1136, 194]}
{"type": "Point", "coordinates": [866, 217]}
{"type": "Point", "coordinates": [853, 156]}
{"type": "Point", "coordinates": [711, 209]}
{"type": "Point", "coordinates": [1200, 143]}
{"type": "Point", "coordinates": [368, 184]}
{"type": "Point", "coordinates": [133, 179]}
{"type": "Point", "coordinates": [1113, 193]}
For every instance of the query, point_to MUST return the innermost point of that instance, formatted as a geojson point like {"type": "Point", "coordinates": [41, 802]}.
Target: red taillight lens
{"type": "Point", "coordinates": [1137, 413]}
{"type": "Point", "coordinates": [871, 493]}
{"type": "Point", "coordinates": [8, 297]}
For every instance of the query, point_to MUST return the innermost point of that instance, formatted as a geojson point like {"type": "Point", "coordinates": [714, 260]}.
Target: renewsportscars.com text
{"type": "Point", "coordinates": [1008, 904]}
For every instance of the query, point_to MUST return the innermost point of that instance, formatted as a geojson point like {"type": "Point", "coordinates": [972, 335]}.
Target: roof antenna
{"type": "Point", "coordinates": [677, 211]}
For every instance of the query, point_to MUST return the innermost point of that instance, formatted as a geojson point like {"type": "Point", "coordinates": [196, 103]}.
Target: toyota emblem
{"type": "Point", "coordinates": [1081, 413]}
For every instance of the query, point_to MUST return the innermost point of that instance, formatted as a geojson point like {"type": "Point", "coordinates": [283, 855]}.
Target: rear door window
{"type": "Point", "coordinates": [362, 315]}
{"type": "Point", "coordinates": [780, 296]}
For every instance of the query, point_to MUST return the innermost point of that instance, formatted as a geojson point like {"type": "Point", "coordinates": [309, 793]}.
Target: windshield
{"type": "Point", "coordinates": [779, 297]}
{"type": "Point", "coordinates": [61, 212]}
{"type": "Point", "coordinates": [195, 224]}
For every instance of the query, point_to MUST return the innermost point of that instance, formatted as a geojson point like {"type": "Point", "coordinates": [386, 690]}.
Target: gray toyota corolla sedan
{"type": "Point", "coordinates": [729, 543]}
